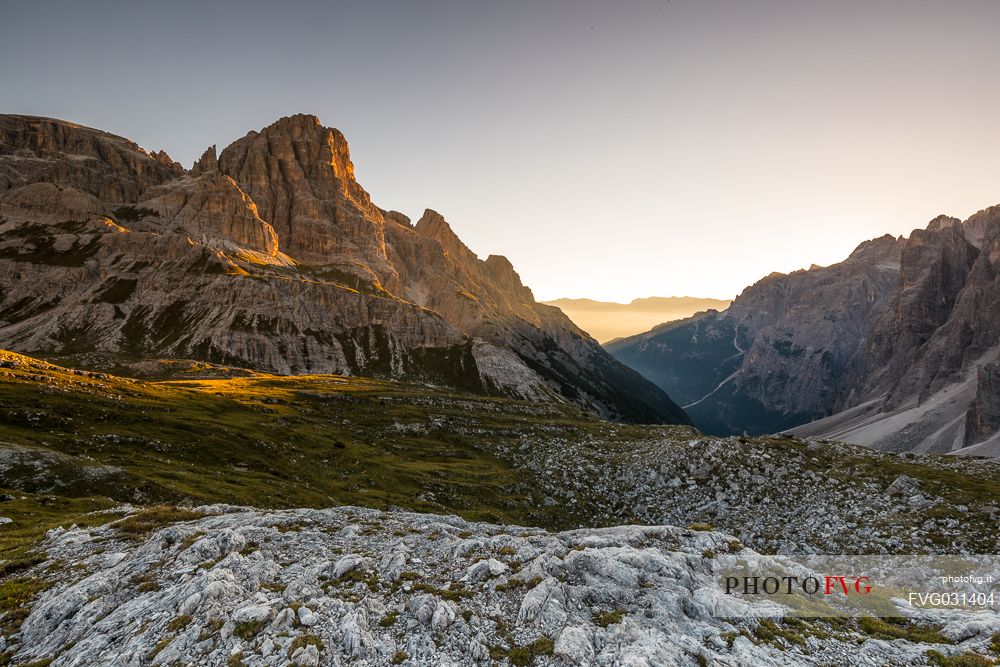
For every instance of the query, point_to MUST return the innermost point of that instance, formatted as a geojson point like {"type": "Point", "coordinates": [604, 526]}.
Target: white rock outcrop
{"type": "Point", "coordinates": [629, 595]}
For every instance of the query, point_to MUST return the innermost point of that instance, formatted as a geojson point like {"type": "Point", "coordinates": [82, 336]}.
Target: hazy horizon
{"type": "Point", "coordinates": [609, 152]}
{"type": "Point", "coordinates": [631, 301]}
{"type": "Point", "coordinates": [607, 321]}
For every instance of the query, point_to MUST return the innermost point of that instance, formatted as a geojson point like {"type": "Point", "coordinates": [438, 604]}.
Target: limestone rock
{"type": "Point", "coordinates": [307, 656]}
{"type": "Point", "coordinates": [934, 267]}
{"type": "Point", "coordinates": [111, 168]}
{"type": "Point", "coordinates": [43, 201]}
{"type": "Point", "coordinates": [903, 485]}
{"type": "Point", "coordinates": [984, 415]}
{"type": "Point", "coordinates": [207, 163]}
{"type": "Point", "coordinates": [107, 616]}
{"type": "Point", "coordinates": [271, 256]}
{"type": "Point", "coordinates": [574, 646]}
{"type": "Point", "coordinates": [890, 348]}
{"type": "Point", "coordinates": [300, 175]}
{"type": "Point", "coordinates": [213, 211]}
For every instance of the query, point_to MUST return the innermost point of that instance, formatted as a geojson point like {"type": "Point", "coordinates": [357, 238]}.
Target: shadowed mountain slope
{"type": "Point", "coordinates": [894, 347]}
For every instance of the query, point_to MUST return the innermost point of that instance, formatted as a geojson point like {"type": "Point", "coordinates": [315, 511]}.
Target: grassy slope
{"type": "Point", "coordinates": [274, 441]}
{"type": "Point", "coordinates": [85, 440]}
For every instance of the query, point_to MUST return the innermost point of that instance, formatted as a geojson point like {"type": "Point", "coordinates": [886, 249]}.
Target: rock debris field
{"type": "Point", "coordinates": [353, 586]}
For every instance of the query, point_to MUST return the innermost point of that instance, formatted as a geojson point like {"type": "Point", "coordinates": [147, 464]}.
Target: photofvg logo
{"type": "Point", "coordinates": [844, 586]}
{"type": "Point", "coordinates": [789, 585]}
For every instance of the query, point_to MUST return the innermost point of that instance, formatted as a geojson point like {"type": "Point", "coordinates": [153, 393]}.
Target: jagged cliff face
{"type": "Point", "coordinates": [270, 255]}
{"type": "Point", "coordinates": [983, 417]}
{"type": "Point", "coordinates": [301, 177]}
{"type": "Point", "coordinates": [970, 332]}
{"type": "Point", "coordinates": [109, 167]}
{"type": "Point", "coordinates": [777, 356]}
{"type": "Point", "coordinates": [927, 381]}
{"type": "Point", "coordinates": [935, 265]}
{"type": "Point", "coordinates": [891, 347]}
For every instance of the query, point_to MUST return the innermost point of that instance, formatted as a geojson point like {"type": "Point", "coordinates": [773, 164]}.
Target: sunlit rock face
{"type": "Point", "coordinates": [270, 255]}
{"type": "Point", "coordinates": [106, 166]}
{"type": "Point", "coordinates": [300, 175]}
{"type": "Point", "coordinates": [212, 210]}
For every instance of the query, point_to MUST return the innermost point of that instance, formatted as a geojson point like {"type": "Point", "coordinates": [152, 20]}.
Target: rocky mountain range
{"type": "Point", "coordinates": [608, 320]}
{"type": "Point", "coordinates": [267, 422]}
{"type": "Point", "coordinates": [894, 347]}
{"type": "Point", "coordinates": [270, 255]}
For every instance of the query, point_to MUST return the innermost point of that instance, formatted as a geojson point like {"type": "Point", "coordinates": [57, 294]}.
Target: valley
{"type": "Point", "coordinates": [292, 441]}
{"type": "Point", "coordinates": [248, 417]}
{"type": "Point", "coordinates": [893, 348]}
{"type": "Point", "coordinates": [291, 375]}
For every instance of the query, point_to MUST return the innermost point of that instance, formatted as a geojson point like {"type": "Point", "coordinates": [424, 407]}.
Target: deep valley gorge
{"type": "Point", "coordinates": [895, 347]}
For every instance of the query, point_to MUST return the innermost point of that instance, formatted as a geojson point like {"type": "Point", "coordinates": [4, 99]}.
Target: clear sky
{"type": "Point", "coordinates": [609, 149]}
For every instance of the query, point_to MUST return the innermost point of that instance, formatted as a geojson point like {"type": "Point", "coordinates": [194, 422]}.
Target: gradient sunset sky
{"type": "Point", "coordinates": [610, 149]}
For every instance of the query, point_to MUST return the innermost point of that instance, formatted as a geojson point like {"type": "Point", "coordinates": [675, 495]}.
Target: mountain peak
{"type": "Point", "coordinates": [886, 245]}
{"type": "Point", "coordinates": [300, 175]}
{"type": "Point", "coordinates": [943, 222]}
{"type": "Point", "coordinates": [304, 127]}
{"type": "Point", "coordinates": [398, 218]}
{"type": "Point", "coordinates": [50, 141]}
{"type": "Point", "coordinates": [303, 119]}
{"type": "Point", "coordinates": [271, 255]}
{"type": "Point", "coordinates": [983, 227]}
{"type": "Point", "coordinates": [207, 163]}
{"type": "Point", "coordinates": [433, 225]}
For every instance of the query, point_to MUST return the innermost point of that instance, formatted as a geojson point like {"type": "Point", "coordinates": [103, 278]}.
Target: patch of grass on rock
{"type": "Point", "coordinates": [523, 656]}
{"type": "Point", "coordinates": [139, 525]}
{"type": "Point", "coordinates": [514, 583]}
{"type": "Point", "coordinates": [304, 640]}
{"type": "Point", "coordinates": [902, 628]}
{"type": "Point", "coordinates": [15, 599]}
{"type": "Point", "coordinates": [606, 618]}
{"type": "Point", "coordinates": [179, 623]}
{"type": "Point", "coordinates": [962, 660]}
{"type": "Point", "coordinates": [160, 645]}
{"type": "Point", "coordinates": [768, 631]}
{"type": "Point", "coordinates": [247, 630]}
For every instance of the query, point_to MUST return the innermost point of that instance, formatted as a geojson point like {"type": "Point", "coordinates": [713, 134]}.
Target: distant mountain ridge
{"type": "Point", "coordinates": [270, 255]}
{"type": "Point", "coordinates": [895, 347]}
{"type": "Point", "coordinates": [608, 320]}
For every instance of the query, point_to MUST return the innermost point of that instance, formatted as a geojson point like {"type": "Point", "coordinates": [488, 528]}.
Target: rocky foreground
{"type": "Point", "coordinates": [356, 586]}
